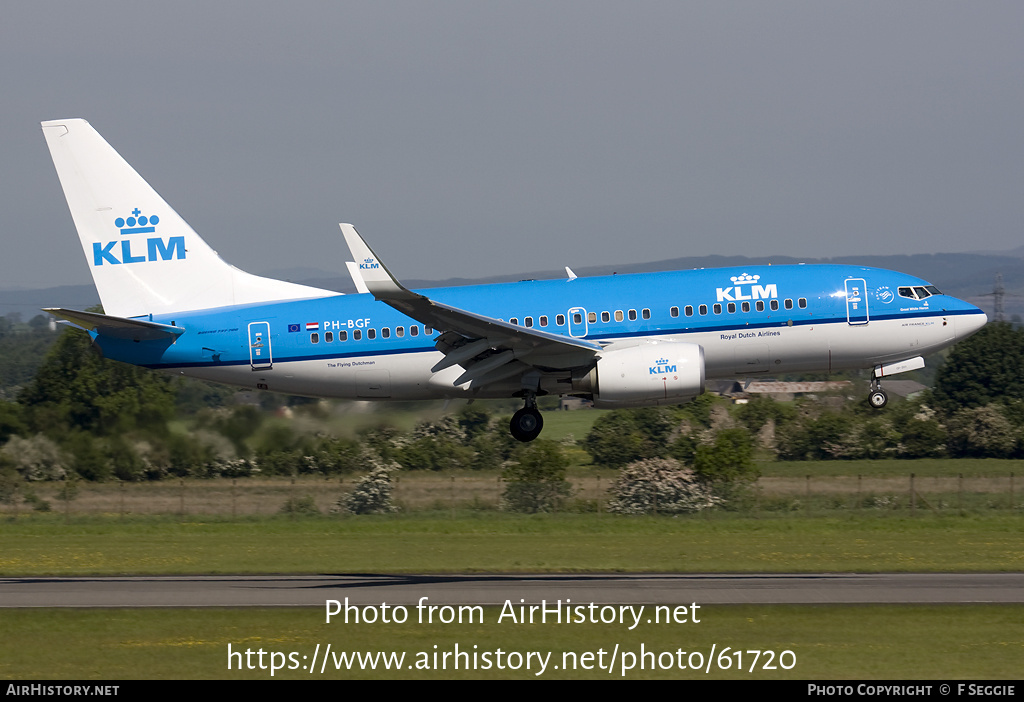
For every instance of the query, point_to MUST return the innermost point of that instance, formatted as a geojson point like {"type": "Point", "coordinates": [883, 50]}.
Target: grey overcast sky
{"type": "Point", "coordinates": [483, 138]}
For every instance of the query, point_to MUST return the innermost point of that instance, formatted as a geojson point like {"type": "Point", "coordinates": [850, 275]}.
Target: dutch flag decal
{"type": "Point", "coordinates": [312, 326]}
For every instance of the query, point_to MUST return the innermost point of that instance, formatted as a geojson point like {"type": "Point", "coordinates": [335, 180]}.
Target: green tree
{"type": "Point", "coordinates": [76, 389]}
{"type": "Point", "coordinates": [535, 481]}
{"type": "Point", "coordinates": [627, 435]}
{"type": "Point", "coordinates": [922, 438]}
{"type": "Point", "coordinates": [730, 459]}
{"type": "Point", "coordinates": [987, 367]}
{"type": "Point", "coordinates": [11, 423]}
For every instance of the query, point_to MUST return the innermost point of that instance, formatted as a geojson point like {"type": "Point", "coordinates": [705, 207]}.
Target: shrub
{"type": "Point", "coordinates": [535, 481]}
{"type": "Point", "coordinates": [300, 505]}
{"type": "Point", "coordinates": [372, 494]}
{"type": "Point", "coordinates": [662, 486]}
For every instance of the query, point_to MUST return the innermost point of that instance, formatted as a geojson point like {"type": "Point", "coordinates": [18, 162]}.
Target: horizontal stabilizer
{"type": "Point", "coordinates": [117, 327]}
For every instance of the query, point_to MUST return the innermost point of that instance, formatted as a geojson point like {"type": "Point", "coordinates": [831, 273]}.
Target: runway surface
{"type": "Point", "coordinates": [314, 590]}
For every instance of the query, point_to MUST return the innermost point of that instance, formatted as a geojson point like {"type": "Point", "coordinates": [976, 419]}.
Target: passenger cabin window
{"type": "Point", "coordinates": [513, 320]}
{"type": "Point", "coordinates": [577, 318]}
{"type": "Point", "coordinates": [371, 333]}
{"type": "Point", "coordinates": [632, 315]}
{"type": "Point", "coordinates": [759, 305]}
{"type": "Point", "coordinates": [703, 309]}
{"type": "Point", "coordinates": [731, 307]}
{"type": "Point", "coordinates": [399, 332]}
{"type": "Point", "coordinates": [414, 331]}
{"type": "Point", "coordinates": [314, 338]}
{"type": "Point", "coordinates": [718, 308]}
{"type": "Point", "coordinates": [605, 317]}
{"type": "Point", "coordinates": [343, 336]}
{"type": "Point", "coordinates": [560, 320]}
{"type": "Point", "coordinates": [618, 316]}
{"type": "Point", "coordinates": [774, 304]}
{"type": "Point", "coordinates": [789, 304]}
{"type": "Point", "coordinates": [328, 337]}
{"type": "Point", "coordinates": [673, 311]}
{"type": "Point", "coordinates": [646, 313]}
{"type": "Point", "coordinates": [592, 317]}
{"type": "Point", "coordinates": [802, 302]}
{"type": "Point", "coordinates": [688, 310]}
{"type": "Point", "coordinates": [357, 335]}
{"type": "Point", "coordinates": [428, 330]}
{"type": "Point", "coordinates": [745, 306]}
{"type": "Point", "coordinates": [528, 321]}
{"type": "Point", "coordinates": [386, 332]}
{"type": "Point", "coordinates": [543, 321]}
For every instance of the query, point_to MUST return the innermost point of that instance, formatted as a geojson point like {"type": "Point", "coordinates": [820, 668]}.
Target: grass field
{"type": "Point", "coordinates": [824, 643]}
{"type": "Point", "coordinates": [495, 542]}
{"type": "Point", "coordinates": [848, 517]}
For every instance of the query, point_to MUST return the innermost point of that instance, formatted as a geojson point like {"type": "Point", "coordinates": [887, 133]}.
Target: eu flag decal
{"type": "Point", "coordinates": [293, 328]}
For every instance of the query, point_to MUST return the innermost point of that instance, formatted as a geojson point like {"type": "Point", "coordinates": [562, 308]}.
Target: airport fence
{"type": "Point", "coordinates": [460, 495]}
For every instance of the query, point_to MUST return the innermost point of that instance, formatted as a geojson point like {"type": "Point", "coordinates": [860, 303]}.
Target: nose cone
{"type": "Point", "coordinates": [967, 324]}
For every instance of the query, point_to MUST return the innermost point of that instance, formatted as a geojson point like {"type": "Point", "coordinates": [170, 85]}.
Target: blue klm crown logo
{"type": "Point", "coordinates": [660, 367]}
{"type": "Point", "coordinates": [138, 223]}
{"type": "Point", "coordinates": [133, 250]}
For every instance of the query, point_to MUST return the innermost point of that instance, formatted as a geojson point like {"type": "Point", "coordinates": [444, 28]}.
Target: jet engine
{"type": "Point", "coordinates": [653, 372]}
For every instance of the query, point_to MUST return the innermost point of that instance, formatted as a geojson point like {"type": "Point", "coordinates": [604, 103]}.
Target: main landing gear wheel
{"type": "Point", "coordinates": [878, 398]}
{"type": "Point", "coordinates": [526, 424]}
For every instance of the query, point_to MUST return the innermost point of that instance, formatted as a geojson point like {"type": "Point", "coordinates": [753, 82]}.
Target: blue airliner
{"type": "Point", "coordinates": [174, 305]}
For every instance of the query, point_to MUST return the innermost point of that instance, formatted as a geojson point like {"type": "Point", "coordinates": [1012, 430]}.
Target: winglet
{"type": "Point", "coordinates": [357, 278]}
{"type": "Point", "coordinates": [374, 273]}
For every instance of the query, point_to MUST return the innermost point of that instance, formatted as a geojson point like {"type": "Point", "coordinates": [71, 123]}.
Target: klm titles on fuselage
{"type": "Point", "coordinates": [131, 250]}
{"type": "Point", "coordinates": [756, 292]}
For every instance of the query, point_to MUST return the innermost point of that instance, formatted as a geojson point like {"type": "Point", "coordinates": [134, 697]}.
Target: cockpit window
{"type": "Point", "coordinates": [919, 292]}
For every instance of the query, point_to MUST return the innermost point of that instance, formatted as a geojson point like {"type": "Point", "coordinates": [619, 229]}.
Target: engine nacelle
{"type": "Point", "coordinates": [651, 373]}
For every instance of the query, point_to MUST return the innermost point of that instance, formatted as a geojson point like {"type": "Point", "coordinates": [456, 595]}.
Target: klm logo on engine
{"type": "Point", "coordinates": [368, 264]}
{"type": "Point", "coordinates": [752, 291]}
{"type": "Point", "coordinates": [661, 368]}
{"type": "Point", "coordinates": [133, 250]}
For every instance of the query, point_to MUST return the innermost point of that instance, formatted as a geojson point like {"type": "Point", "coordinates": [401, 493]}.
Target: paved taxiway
{"type": "Point", "coordinates": [313, 590]}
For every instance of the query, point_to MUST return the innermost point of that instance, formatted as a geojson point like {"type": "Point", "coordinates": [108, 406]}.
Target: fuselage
{"type": "Point", "coordinates": [756, 320]}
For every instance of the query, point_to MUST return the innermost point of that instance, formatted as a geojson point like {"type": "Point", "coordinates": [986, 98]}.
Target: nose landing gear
{"type": "Point", "coordinates": [877, 398]}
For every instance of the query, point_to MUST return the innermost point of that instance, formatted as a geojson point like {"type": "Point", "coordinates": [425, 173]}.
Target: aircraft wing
{"type": "Point", "coordinates": [487, 348]}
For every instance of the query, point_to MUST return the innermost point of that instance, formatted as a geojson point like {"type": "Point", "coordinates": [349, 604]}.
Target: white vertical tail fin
{"type": "Point", "coordinates": [144, 258]}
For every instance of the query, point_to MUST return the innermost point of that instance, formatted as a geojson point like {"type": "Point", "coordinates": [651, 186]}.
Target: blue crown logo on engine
{"type": "Point", "coordinates": [138, 223]}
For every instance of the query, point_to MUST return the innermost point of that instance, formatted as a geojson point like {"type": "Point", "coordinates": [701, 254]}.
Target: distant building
{"type": "Point", "coordinates": [777, 390]}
